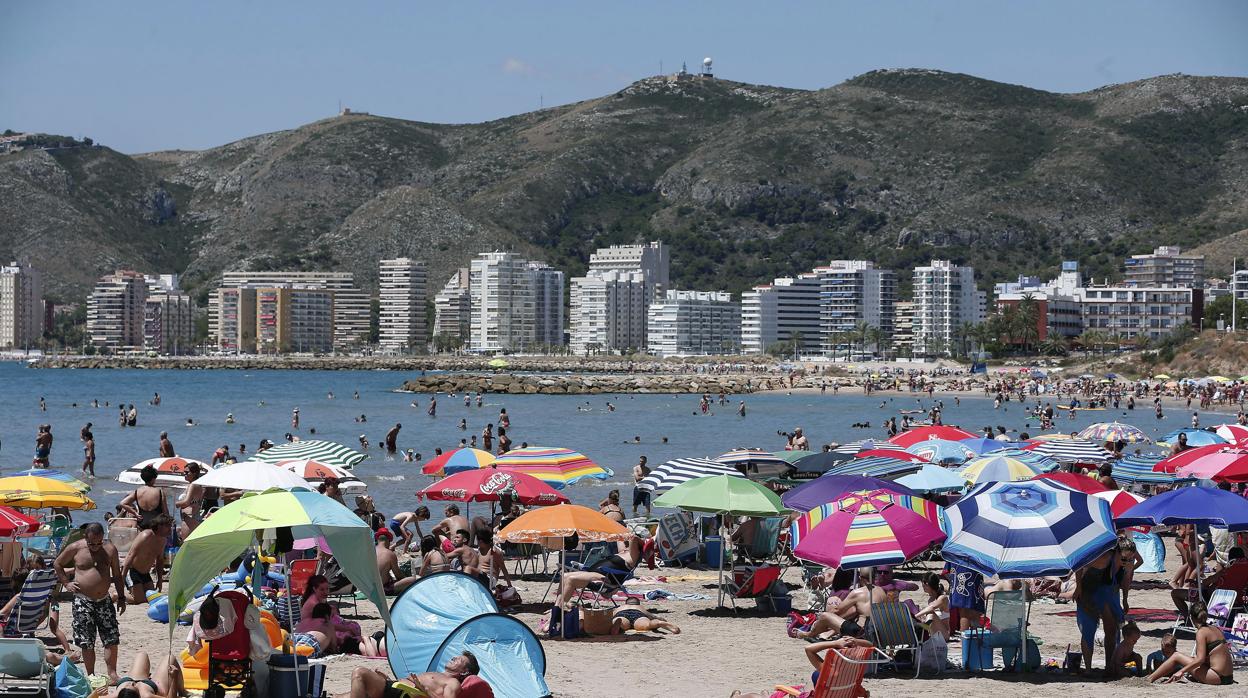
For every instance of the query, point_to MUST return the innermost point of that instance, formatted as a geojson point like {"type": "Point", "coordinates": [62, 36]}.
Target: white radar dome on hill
{"type": "Point", "coordinates": [706, 62]}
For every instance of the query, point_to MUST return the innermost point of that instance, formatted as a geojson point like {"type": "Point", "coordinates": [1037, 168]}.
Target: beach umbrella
{"type": "Point", "coordinates": [316, 472]}
{"type": "Point", "coordinates": [723, 494]}
{"type": "Point", "coordinates": [994, 468]}
{"type": "Point", "coordinates": [488, 484]}
{"type": "Point", "coordinates": [1039, 461]}
{"type": "Point", "coordinates": [884, 467]}
{"type": "Point", "coordinates": [14, 523]}
{"type": "Point", "coordinates": [1074, 481]}
{"type": "Point", "coordinates": [1114, 432]}
{"type": "Point", "coordinates": [1071, 451]}
{"type": "Point", "coordinates": [830, 488]}
{"type": "Point", "coordinates": [933, 479]}
{"type": "Point", "coordinates": [1230, 465]}
{"type": "Point", "coordinates": [26, 492]}
{"type": "Point", "coordinates": [913, 436]}
{"type": "Point", "coordinates": [498, 363]}
{"type": "Point", "coordinates": [327, 452]}
{"type": "Point", "coordinates": [1016, 530]}
{"type": "Point", "coordinates": [890, 453]}
{"type": "Point", "coordinates": [1195, 437]}
{"type": "Point", "coordinates": [252, 476]}
{"type": "Point", "coordinates": [817, 464]}
{"type": "Point", "coordinates": [170, 472]}
{"type": "Point", "coordinates": [1137, 469]}
{"type": "Point", "coordinates": [1056, 436]}
{"type": "Point", "coordinates": [854, 447]}
{"type": "Point", "coordinates": [562, 521]}
{"type": "Point", "coordinates": [56, 475]}
{"type": "Point", "coordinates": [791, 457]}
{"type": "Point", "coordinates": [681, 470]}
{"type": "Point", "coordinates": [982, 444]}
{"type": "Point", "coordinates": [1171, 464]}
{"type": "Point", "coordinates": [1120, 501]}
{"type": "Point", "coordinates": [942, 451]}
{"type": "Point", "coordinates": [557, 467]}
{"type": "Point", "coordinates": [865, 529]}
{"type": "Point", "coordinates": [753, 461]}
{"type": "Point", "coordinates": [1207, 506]}
{"type": "Point", "coordinates": [1161, 377]}
{"type": "Point", "coordinates": [457, 460]}
{"type": "Point", "coordinates": [1232, 433]}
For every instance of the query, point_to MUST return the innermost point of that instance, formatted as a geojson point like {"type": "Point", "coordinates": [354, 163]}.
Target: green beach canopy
{"type": "Point", "coordinates": [234, 528]}
{"type": "Point", "coordinates": [327, 452]}
{"type": "Point", "coordinates": [723, 494]}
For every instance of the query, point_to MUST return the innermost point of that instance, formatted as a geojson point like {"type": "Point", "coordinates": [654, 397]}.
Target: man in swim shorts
{"type": "Point", "coordinates": [95, 567]}
{"type": "Point", "coordinates": [458, 679]}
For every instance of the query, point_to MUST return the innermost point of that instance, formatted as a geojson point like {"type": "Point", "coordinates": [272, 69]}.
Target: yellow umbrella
{"type": "Point", "coordinates": [30, 492]}
{"type": "Point", "coordinates": [1161, 377]}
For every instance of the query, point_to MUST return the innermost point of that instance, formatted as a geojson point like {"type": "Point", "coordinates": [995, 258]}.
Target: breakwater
{"type": "Point", "coordinates": [537, 364]}
{"type": "Point", "coordinates": [581, 384]}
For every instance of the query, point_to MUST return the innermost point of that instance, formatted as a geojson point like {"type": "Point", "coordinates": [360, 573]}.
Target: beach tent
{"type": "Point", "coordinates": [511, 657]}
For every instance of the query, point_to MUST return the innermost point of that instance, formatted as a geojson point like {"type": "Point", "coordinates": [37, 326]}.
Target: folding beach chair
{"type": "Point", "coordinates": [766, 545]}
{"type": "Point", "coordinates": [841, 673]}
{"type": "Point", "coordinates": [23, 671]}
{"type": "Point", "coordinates": [892, 632]}
{"type": "Point", "coordinates": [755, 585]}
{"type": "Point", "coordinates": [340, 587]}
{"type": "Point", "coordinates": [1235, 580]}
{"type": "Point", "coordinates": [298, 575]}
{"type": "Point", "coordinates": [30, 611]}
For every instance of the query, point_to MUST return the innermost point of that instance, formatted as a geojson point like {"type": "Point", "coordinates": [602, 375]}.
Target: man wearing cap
{"type": "Point", "coordinates": [392, 578]}
{"type": "Point", "coordinates": [799, 440]}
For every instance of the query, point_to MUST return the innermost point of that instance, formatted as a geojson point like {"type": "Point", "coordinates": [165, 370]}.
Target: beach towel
{"type": "Point", "coordinates": [1151, 550]}
{"type": "Point", "coordinates": [1146, 615]}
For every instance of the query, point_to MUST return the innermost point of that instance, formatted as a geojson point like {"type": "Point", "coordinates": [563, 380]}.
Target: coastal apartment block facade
{"type": "Point", "coordinates": [116, 311]}
{"type": "Point", "coordinates": [694, 323]}
{"type": "Point", "coordinates": [401, 304]}
{"type": "Point", "coordinates": [302, 312]}
{"type": "Point", "coordinates": [780, 312]}
{"type": "Point", "coordinates": [1166, 266]}
{"type": "Point", "coordinates": [516, 305]}
{"type": "Point", "coordinates": [945, 300]}
{"type": "Point", "coordinates": [1128, 312]}
{"type": "Point", "coordinates": [452, 307]}
{"type": "Point", "coordinates": [21, 306]}
{"type": "Point", "coordinates": [854, 294]}
{"type": "Point", "coordinates": [608, 312]}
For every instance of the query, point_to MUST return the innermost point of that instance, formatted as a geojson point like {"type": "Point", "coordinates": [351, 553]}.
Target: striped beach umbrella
{"type": "Point", "coordinates": [853, 448]}
{"type": "Point", "coordinates": [1172, 463]}
{"type": "Point", "coordinates": [1039, 461]}
{"type": "Point", "coordinates": [457, 460]}
{"type": "Point", "coordinates": [817, 464]}
{"type": "Point", "coordinates": [1016, 530]}
{"type": "Point", "coordinates": [1138, 470]}
{"type": "Point", "coordinates": [983, 444]}
{"type": "Point", "coordinates": [15, 523]}
{"type": "Point", "coordinates": [1114, 432]}
{"type": "Point", "coordinates": [913, 436]}
{"type": "Point", "coordinates": [1071, 451]}
{"type": "Point", "coordinates": [864, 529]}
{"type": "Point", "coordinates": [829, 488]}
{"type": "Point", "coordinates": [754, 461]}
{"type": "Point", "coordinates": [1229, 465]}
{"type": "Point", "coordinates": [327, 452]}
{"type": "Point", "coordinates": [1195, 437]}
{"type": "Point", "coordinates": [681, 470]}
{"type": "Point", "coordinates": [882, 468]}
{"type": "Point", "coordinates": [557, 467]}
{"type": "Point", "coordinates": [170, 472]}
{"type": "Point", "coordinates": [994, 468]}
{"type": "Point", "coordinates": [1233, 433]}
{"type": "Point", "coordinates": [316, 472]}
{"type": "Point", "coordinates": [56, 475]}
{"type": "Point", "coordinates": [942, 451]}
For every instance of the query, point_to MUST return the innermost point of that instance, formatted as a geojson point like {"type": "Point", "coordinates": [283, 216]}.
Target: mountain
{"type": "Point", "coordinates": [746, 182]}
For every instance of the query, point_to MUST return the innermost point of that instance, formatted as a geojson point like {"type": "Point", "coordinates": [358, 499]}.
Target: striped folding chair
{"type": "Point", "coordinates": [892, 631]}
{"type": "Point", "coordinates": [31, 610]}
{"type": "Point", "coordinates": [842, 672]}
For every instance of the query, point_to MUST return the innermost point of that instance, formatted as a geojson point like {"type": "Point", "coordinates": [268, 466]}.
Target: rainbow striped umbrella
{"type": "Point", "coordinates": [864, 529]}
{"type": "Point", "coordinates": [457, 461]}
{"type": "Point", "coordinates": [1035, 459]}
{"type": "Point", "coordinates": [557, 467]}
{"type": "Point", "coordinates": [994, 468]}
{"type": "Point", "coordinates": [1114, 431]}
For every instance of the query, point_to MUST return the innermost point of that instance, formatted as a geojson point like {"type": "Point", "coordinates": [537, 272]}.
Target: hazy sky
{"type": "Point", "coordinates": [140, 75]}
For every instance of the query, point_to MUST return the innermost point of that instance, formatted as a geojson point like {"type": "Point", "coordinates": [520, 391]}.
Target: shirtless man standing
{"type": "Point", "coordinates": [640, 496]}
{"type": "Point", "coordinates": [166, 446]}
{"type": "Point", "coordinates": [449, 526]}
{"type": "Point", "coordinates": [147, 552]}
{"type": "Point", "coordinates": [95, 565]}
{"type": "Point", "coordinates": [458, 678]}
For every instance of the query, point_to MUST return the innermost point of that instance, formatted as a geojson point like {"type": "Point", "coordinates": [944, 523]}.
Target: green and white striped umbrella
{"type": "Point", "coordinates": [327, 452]}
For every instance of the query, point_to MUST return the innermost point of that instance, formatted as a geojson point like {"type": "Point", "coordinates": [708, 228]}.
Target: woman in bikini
{"type": "Point", "coordinates": [1212, 663]}
{"type": "Point", "coordinates": [432, 559]}
{"type": "Point", "coordinates": [610, 507]}
{"type": "Point", "coordinates": [936, 614]}
{"type": "Point", "coordinates": [632, 617]}
{"type": "Point", "coordinates": [167, 683]}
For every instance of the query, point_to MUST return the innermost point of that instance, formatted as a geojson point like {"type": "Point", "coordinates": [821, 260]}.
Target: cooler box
{"type": "Point", "coordinates": [777, 605]}
{"type": "Point", "coordinates": [977, 650]}
{"type": "Point", "coordinates": [290, 680]}
{"type": "Point", "coordinates": [713, 550]}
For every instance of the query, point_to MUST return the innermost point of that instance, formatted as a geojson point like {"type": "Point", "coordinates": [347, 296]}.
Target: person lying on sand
{"type": "Point", "coordinates": [140, 683]}
{"type": "Point", "coordinates": [458, 679]}
{"type": "Point", "coordinates": [632, 617]}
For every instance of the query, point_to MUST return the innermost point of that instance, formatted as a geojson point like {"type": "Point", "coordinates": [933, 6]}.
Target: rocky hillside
{"type": "Point", "coordinates": [746, 182]}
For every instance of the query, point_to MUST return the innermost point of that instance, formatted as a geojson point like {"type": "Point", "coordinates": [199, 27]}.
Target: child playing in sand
{"type": "Point", "coordinates": [1126, 661]}
{"type": "Point", "coordinates": [1168, 647]}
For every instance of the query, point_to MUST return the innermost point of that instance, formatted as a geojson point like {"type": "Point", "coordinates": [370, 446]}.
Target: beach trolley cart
{"type": "Point", "coordinates": [229, 657]}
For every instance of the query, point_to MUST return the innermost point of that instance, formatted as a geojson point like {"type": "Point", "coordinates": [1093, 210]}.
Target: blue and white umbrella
{"type": "Point", "coordinates": [1015, 530]}
{"type": "Point", "coordinates": [853, 447]}
{"type": "Point", "coordinates": [1195, 437]}
{"type": "Point", "coordinates": [681, 470]}
{"type": "Point", "coordinates": [1072, 451]}
{"type": "Point", "coordinates": [1137, 469]}
{"type": "Point", "coordinates": [882, 467]}
{"type": "Point", "coordinates": [942, 451]}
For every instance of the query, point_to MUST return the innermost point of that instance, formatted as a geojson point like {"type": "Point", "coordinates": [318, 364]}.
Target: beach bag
{"type": "Point", "coordinates": [70, 682]}
{"type": "Point", "coordinates": [596, 621]}
{"type": "Point", "coordinates": [934, 652]}
{"type": "Point", "coordinates": [506, 596]}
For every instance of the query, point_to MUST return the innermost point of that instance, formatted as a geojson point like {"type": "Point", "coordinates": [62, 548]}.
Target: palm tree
{"type": "Point", "coordinates": [1028, 319]}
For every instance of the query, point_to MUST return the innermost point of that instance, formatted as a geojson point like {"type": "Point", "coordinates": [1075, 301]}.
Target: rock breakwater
{"type": "Point", "coordinates": [579, 384]}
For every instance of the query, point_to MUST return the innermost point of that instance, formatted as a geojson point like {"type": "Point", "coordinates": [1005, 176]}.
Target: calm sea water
{"type": "Point", "coordinates": [261, 402]}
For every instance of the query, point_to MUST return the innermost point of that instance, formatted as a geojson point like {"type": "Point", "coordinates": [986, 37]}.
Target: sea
{"type": "Point", "coordinates": [261, 402]}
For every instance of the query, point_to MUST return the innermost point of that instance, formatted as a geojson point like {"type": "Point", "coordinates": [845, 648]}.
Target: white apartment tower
{"type": "Point", "coordinates": [21, 306]}
{"type": "Point", "coordinates": [694, 322]}
{"type": "Point", "coordinates": [452, 307]}
{"type": "Point", "coordinates": [116, 311]}
{"type": "Point", "coordinates": [548, 317]}
{"type": "Point", "coordinates": [401, 301]}
{"type": "Point", "coordinates": [608, 312]}
{"type": "Point", "coordinates": [501, 288]}
{"type": "Point", "coordinates": [945, 298]}
{"type": "Point", "coordinates": [168, 316]}
{"type": "Point", "coordinates": [780, 311]}
{"type": "Point", "coordinates": [852, 292]}
{"type": "Point", "coordinates": [651, 259]}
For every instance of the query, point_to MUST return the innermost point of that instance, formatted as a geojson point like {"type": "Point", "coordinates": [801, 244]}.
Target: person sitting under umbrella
{"type": "Point", "coordinates": [615, 569]}
{"type": "Point", "coordinates": [851, 615]}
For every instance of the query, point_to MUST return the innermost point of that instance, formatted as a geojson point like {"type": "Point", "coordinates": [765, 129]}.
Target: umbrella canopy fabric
{"type": "Point", "coordinates": [56, 475]}
{"type": "Point", "coordinates": [1138, 469]}
{"type": "Point", "coordinates": [1230, 465]}
{"type": "Point", "coordinates": [1233, 433]}
{"type": "Point", "coordinates": [327, 452]}
{"type": "Point", "coordinates": [876, 467]}
{"type": "Point", "coordinates": [817, 464]}
{"type": "Point", "coordinates": [1039, 461]}
{"type": "Point", "coordinates": [1120, 501]}
{"type": "Point", "coordinates": [1074, 481]}
{"type": "Point", "coordinates": [1189, 505]}
{"type": "Point", "coordinates": [942, 451]}
{"type": "Point", "coordinates": [316, 472]}
{"type": "Point", "coordinates": [995, 468]}
{"type": "Point", "coordinates": [498, 363]}
{"type": "Point", "coordinates": [233, 528]}
{"type": "Point", "coordinates": [457, 460]}
{"type": "Point", "coordinates": [864, 529]}
{"type": "Point", "coordinates": [681, 470]}
{"type": "Point", "coordinates": [170, 472]}
{"type": "Point", "coordinates": [1015, 530]}
{"type": "Point", "coordinates": [854, 447]}
{"type": "Point", "coordinates": [981, 444]}
{"type": "Point", "coordinates": [752, 461]}
{"type": "Point", "coordinates": [488, 485]}
{"type": "Point", "coordinates": [1114, 432]}
{"type": "Point", "coordinates": [557, 467]}
{"type": "Point", "coordinates": [933, 479]}
{"type": "Point", "coordinates": [791, 457]}
{"type": "Point", "coordinates": [1195, 437]}
{"type": "Point", "coordinates": [830, 488]}
{"type": "Point", "coordinates": [1071, 451]}
{"type": "Point", "coordinates": [890, 453]}
{"type": "Point", "coordinates": [1171, 464]}
{"type": "Point", "coordinates": [252, 476]}
{"type": "Point", "coordinates": [723, 494]}
{"type": "Point", "coordinates": [15, 523]}
{"type": "Point", "coordinates": [913, 436]}
{"type": "Point", "coordinates": [1056, 436]}
{"type": "Point", "coordinates": [561, 521]}
{"type": "Point", "coordinates": [26, 492]}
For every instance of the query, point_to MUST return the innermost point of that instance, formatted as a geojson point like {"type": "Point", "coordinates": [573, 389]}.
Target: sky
{"type": "Point", "coordinates": [142, 75]}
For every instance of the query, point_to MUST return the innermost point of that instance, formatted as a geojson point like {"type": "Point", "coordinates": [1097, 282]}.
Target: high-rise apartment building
{"type": "Point", "coordinates": [501, 287]}
{"type": "Point", "coordinates": [350, 305]}
{"type": "Point", "coordinates": [21, 306]}
{"type": "Point", "coordinates": [452, 307]}
{"type": "Point", "coordinates": [548, 316]}
{"type": "Point", "coordinates": [694, 322]}
{"type": "Point", "coordinates": [1166, 266]}
{"type": "Point", "coordinates": [945, 299]}
{"type": "Point", "coordinates": [651, 259]}
{"type": "Point", "coordinates": [903, 330]}
{"type": "Point", "coordinates": [608, 312]}
{"type": "Point", "coordinates": [780, 312]}
{"type": "Point", "coordinates": [854, 293]}
{"type": "Point", "coordinates": [116, 311]}
{"type": "Point", "coordinates": [401, 301]}
{"type": "Point", "coordinates": [168, 316]}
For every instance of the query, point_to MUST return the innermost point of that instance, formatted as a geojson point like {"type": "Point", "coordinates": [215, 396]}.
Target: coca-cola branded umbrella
{"type": "Point", "coordinates": [488, 484]}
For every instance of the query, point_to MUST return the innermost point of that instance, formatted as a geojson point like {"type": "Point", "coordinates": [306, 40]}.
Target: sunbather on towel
{"type": "Point", "coordinates": [851, 615]}
{"type": "Point", "coordinates": [141, 683]}
{"type": "Point", "coordinates": [632, 617]}
{"type": "Point", "coordinates": [458, 679]}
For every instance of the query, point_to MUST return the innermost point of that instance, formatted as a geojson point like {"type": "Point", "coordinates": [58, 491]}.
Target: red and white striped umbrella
{"type": "Point", "coordinates": [170, 472]}
{"type": "Point", "coordinates": [14, 523]}
{"type": "Point", "coordinates": [316, 472]}
{"type": "Point", "coordinates": [1234, 433]}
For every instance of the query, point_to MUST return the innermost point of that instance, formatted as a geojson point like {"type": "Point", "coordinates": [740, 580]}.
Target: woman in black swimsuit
{"type": "Point", "coordinates": [148, 501]}
{"type": "Point", "coordinates": [632, 617]}
{"type": "Point", "coordinates": [1212, 663]}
